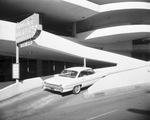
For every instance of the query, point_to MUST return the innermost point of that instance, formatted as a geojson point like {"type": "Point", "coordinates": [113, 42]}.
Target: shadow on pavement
{"type": "Point", "coordinates": [138, 111]}
{"type": "Point", "coordinates": [58, 93]}
{"type": "Point", "coordinates": [66, 93]}
{"type": "Point", "coordinates": [147, 91]}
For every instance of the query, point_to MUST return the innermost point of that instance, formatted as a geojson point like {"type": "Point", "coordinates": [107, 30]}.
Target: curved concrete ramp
{"type": "Point", "coordinates": [64, 45]}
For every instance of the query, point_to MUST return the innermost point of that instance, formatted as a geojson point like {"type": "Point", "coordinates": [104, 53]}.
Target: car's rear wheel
{"type": "Point", "coordinates": [77, 89]}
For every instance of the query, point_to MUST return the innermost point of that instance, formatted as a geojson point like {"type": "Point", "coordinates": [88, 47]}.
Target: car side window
{"type": "Point", "coordinates": [83, 73]}
{"type": "Point", "coordinates": [90, 72]}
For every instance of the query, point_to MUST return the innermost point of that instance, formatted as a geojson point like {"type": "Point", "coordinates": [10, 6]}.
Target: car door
{"type": "Point", "coordinates": [85, 78]}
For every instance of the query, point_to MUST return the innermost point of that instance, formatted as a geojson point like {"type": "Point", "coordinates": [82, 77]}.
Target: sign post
{"type": "Point", "coordinates": [26, 31]}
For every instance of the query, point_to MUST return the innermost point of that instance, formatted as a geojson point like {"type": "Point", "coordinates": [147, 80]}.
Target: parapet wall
{"type": "Point", "coordinates": [21, 87]}
{"type": "Point", "coordinates": [125, 79]}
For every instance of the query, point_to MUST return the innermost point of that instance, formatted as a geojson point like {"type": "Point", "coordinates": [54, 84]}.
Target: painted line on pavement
{"type": "Point", "coordinates": [102, 115]}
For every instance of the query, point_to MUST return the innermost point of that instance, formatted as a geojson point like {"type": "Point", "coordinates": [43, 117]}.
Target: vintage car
{"type": "Point", "coordinates": [71, 79]}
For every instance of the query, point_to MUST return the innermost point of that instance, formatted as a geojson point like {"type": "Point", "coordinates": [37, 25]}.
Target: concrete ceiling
{"type": "Point", "coordinates": [114, 18]}
{"type": "Point", "coordinates": [54, 10]}
{"type": "Point", "coordinates": [54, 13]}
{"type": "Point", "coordinates": [117, 38]}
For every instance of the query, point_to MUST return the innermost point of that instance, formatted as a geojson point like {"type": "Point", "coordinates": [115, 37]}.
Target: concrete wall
{"type": "Point", "coordinates": [123, 79]}
{"type": "Point", "coordinates": [21, 87]}
{"type": "Point", "coordinates": [9, 91]}
{"type": "Point", "coordinates": [29, 84]}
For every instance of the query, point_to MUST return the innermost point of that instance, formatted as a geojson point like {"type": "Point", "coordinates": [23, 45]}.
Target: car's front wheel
{"type": "Point", "coordinates": [77, 89]}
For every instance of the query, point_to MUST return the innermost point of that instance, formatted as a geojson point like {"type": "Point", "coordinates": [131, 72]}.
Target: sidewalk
{"type": "Point", "coordinates": [5, 84]}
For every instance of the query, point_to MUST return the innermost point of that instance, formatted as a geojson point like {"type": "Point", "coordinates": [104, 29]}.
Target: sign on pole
{"type": "Point", "coordinates": [26, 31]}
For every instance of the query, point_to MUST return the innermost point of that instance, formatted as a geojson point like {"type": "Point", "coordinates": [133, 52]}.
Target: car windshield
{"type": "Point", "coordinates": [68, 73]}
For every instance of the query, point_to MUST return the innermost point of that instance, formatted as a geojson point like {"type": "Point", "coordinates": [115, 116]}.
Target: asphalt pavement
{"type": "Point", "coordinates": [44, 105]}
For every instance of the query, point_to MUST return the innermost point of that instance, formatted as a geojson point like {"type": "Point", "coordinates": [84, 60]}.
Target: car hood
{"type": "Point", "coordinates": [59, 80]}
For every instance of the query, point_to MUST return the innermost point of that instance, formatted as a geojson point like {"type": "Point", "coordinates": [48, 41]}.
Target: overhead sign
{"type": "Point", "coordinates": [28, 29]}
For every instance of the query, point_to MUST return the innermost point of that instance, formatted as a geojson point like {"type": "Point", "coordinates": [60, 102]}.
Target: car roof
{"type": "Point", "coordinates": [78, 68]}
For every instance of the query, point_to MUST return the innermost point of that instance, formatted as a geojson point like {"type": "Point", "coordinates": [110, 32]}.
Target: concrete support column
{"type": "Point", "coordinates": [74, 29]}
{"type": "Point", "coordinates": [39, 68]}
{"type": "Point", "coordinates": [84, 62]}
